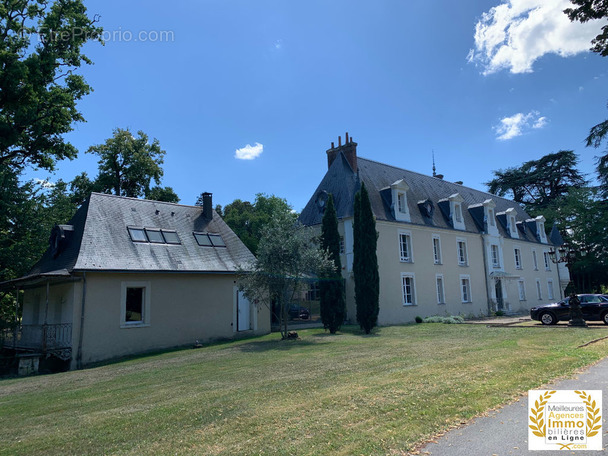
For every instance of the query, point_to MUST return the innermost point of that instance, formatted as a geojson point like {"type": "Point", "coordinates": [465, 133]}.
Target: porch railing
{"type": "Point", "coordinates": [38, 337]}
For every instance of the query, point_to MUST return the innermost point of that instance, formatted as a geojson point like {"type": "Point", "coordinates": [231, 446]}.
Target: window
{"type": "Point", "coordinates": [313, 293]}
{"type": "Point", "coordinates": [535, 260]}
{"type": "Point", "coordinates": [409, 292]}
{"type": "Point", "coordinates": [458, 212]}
{"type": "Point", "coordinates": [137, 234]}
{"type": "Point", "coordinates": [436, 249]}
{"type": "Point", "coordinates": [521, 286]}
{"type": "Point", "coordinates": [462, 253]}
{"type": "Point", "coordinates": [491, 217]}
{"type": "Point", "coordinates": [465, 288]}
{"type": "Point", "coordinates": [495, 256]}
{"type": "Point", "coordinates": [341, 244]}
{"type": "Point", "coordinates": [155, 236]}
{"type": "Point", "coordinates": [539, 291]}
{"type": "Point", "coordinates": [217, 240]}
{"type": "Point", "coordinates": [405, 247]}
{"type": "Point", "coordinates": [440, 290]}
{"type": "Point", "coordinates": [517, 258]}
{"type": "Point", "coordinates": [209, 240]}
{"type": "Point", "coordinates": [401, 202]}
{"type": "Point", "coordinates": [550, 289]}
{"type": "Point", "coordinates": [547, 261]}
{"type": "Point", "coordinates": [135, 304]}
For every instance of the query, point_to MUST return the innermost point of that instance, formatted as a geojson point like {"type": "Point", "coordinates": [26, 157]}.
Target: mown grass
{"type": "Point", "coordinates": [345, 394]}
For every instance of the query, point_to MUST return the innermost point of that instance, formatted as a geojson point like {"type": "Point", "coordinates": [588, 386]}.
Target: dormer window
{"type": "Point", "coordinates": [456, 211]}
{"type": "Point", "coordinates": [511, 223]}
{"type": "Point", "coordinates": [400, 207]}
{"type": "Point", "coordinates": [540, 229]}
{"type": "Point", "coordinates": [489, 207]}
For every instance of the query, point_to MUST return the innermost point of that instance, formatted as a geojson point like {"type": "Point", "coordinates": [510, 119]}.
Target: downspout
{"type": "Point", "coordinates": [559, 280]}
{"type": "Point", "coordinates": [81, 330]}
{"type": "Point", "coordinates": [485, 274]}
{"type": "Point", "coordinates": [46, 316]}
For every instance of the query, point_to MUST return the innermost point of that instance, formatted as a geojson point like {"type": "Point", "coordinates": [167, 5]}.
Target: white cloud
{"type": "Point", "coordinates": [514, 34]}
{"type": "Point", "coordinates": [278, 44]}
{"type": "Point", "coordinates": [249, 152]}
{"type": "Point", "coordinates": [511, 127]}
{"type": "Point", "coordinates": [44, 183]}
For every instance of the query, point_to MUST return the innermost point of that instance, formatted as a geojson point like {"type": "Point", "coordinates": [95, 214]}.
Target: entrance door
{"type": "Point", "coordinates": [243, 321]}
{"type": "Point", "coordinates": [498, 287]}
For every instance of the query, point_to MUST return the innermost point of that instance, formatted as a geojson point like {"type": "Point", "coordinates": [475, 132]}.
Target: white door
{"type": "Point", "coordinates": [243, 317]}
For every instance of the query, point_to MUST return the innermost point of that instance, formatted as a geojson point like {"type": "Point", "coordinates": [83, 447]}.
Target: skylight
{"type": "Point", "coordinates": [209, 239]}
{"type": "Point", "coordinates": [171, 237]}
{"type": "Point", "coordinates": [137, 234]}
{"type": "Point", "coordinates": [155, 236]}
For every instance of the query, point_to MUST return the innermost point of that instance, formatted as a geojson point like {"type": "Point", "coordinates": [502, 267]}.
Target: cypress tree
{"type": "Point", "coordinates": [365, 262]}
{"type": "Point", "coordinates": [331, 287]}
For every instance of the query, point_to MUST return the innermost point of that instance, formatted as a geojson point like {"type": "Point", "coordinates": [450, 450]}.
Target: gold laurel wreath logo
{"type": "Point", "coordinates": [593, 414]}
{"type": "Point", "coordinates": [539, 428]}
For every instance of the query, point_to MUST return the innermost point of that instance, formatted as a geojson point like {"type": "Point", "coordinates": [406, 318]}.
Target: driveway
{"type": "Point", "coordinates": [505, 432]}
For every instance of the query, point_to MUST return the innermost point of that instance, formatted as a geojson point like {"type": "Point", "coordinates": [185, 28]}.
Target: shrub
{"type": "Point", "coordinates": [456, 319]}
{"type": "Point", "coordinates": [499, 313]}
{"type": "Point", "coordinates": [419, 319]}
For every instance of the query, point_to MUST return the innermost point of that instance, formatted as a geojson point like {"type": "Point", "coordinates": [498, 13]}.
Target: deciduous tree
{"type": "Point", "coordinates": [40, 54]}
{"type": "Point", "coordinates": [287, 259]}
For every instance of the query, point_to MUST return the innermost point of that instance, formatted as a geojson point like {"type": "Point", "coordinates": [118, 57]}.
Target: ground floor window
{"type": "Point", "coordinates": [440, 291]}
{"type": "Point", "coordinates": [135, 304]}
{"type": "Point", "coordinates": [550, 289]}
{"type": "Point", "coordinates": [409, 291]}
{"type": "Point", "coordinates": [539, 290]}
{"type": "Point", "coordinates": [522, 290]}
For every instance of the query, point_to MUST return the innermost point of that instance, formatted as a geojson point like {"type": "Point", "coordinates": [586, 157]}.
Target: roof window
{"type": "Point", "coordinates": [137, 234]}
{"type": "Point", "coordinates": [153, 235]}
{"type": "Point", "coordinates": [209, 240]}
{"type": "Point", "coordinates": [171, 237]}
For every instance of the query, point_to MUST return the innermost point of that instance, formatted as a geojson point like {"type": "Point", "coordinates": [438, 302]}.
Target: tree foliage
{"type": "Point", "coordinates": [588, 10]}
{"type": "Point", "coordinates": [40, 52]}
{"type": "Point", "coordinates": [128, 164]}
{"type": "Point", "coordinates": [365, 262]}
{"type": "Point", "coordinates": [537, 184]}
{"type": "Point", "coordinates": [248, 220]}
{"type": "Point", "coordinates": [331, 286]}
{"type": "Point", "coordinates": [287, 259]}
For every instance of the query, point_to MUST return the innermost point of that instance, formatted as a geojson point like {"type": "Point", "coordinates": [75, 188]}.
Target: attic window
{"type": "Point", "coordinates": [137, 234]}
{"type": "Point", "coordinates": [209, 240]}
{"type": "Point", "coordinates": [171, 237]}
{"type": "Point", "coordinates": [155, 236]}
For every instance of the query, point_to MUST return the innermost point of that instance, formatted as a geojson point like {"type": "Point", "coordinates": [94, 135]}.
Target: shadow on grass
{"type": "Point", "coordinates": [277, 344]}
{"type": "Point", "coordinates": [353, 330]}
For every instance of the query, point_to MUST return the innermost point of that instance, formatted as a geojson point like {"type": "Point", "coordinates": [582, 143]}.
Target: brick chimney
{"type": "Point", "coordinates": [208, 205]}
{"type": "Point", "coordinates": [349, 149]}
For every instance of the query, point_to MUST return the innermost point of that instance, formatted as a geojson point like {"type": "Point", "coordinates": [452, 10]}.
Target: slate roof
{"type": "Point", "coordinates": [101, 241]}
{"type": "Point", "coordinates": [343, 183]}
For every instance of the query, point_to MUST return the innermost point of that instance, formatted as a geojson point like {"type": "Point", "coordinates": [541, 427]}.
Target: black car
{"type": "Point", "coordinates": [296, 311]}
{"type": "Point", "coordinates": [593, 306]}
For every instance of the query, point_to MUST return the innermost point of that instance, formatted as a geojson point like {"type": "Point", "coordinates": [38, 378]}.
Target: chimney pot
{"type": "Point", "coordinates": [332, 145]}
{"type": "Point", "coordinates": [346, 142]}
{"type": "Point", "coordinates": [339, 141]}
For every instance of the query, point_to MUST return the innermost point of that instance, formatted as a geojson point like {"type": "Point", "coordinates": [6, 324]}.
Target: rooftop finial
{"type": "Point", "coordinates": [434, 169]}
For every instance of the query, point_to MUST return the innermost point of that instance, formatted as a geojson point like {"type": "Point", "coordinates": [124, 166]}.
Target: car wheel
{"type": "Point", "coordinates": [605, 318]}
{"type": "Point", "coordinates": [547, 318]}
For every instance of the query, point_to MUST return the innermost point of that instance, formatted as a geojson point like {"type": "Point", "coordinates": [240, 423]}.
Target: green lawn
{"type": "Point", "coordinates": [346, 394]}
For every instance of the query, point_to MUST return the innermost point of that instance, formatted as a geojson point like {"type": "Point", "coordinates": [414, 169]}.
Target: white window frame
{"type": "Point", "coordinates": [342, 249]}
{"type": "Point", "coordinates": [146, 304]}
{"type": "Point", "coordinates": [440, 288]}
{"type": "Point", "coordinates": [550, 294]}
{"type": "Point", "coordinates": [539, 290]}
{"type": "Point", "coordinates": [401, 203]}
{"type": "Point", "coordinates": [465, 280]}
{"type": "Point", "coordinates": [512, 222]}
{"type": "Point", "coordinates": [495, 255]}
{"type": "Point", "coordinates": [401, 211]}
{"type": "Point", "coordinates": [517, 255]}
{"type": "Point", "coordinates": [412, 294]}
{"type": "Point", "coordinates": [436, 249]}
{"type": "Point", "coordinates": [521, 289]}
{"type": "Point", "coordinates": [409, 258]}
{"type": "Point", "coordinates": [491, 217]}
{"type": "Point", "coordinates": [547, 261]}
{"type": "Point", "coordinates": [457, 211]}
{"type": "Point", "coordinates": [466, 252]}
{"type": "Point", "coordinates": [535, 259]}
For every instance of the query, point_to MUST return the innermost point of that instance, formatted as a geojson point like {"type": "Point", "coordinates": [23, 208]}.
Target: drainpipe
{"type": "Point", "coordinates": [46, 316]}
{"type": "Point", "coordinates": [485, 275]}
{"type": "Point", "coordinates": [81, 330]}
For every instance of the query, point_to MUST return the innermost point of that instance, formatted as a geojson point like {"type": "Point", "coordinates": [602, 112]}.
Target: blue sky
{"type": "Point", "coordinates": [484, 84]}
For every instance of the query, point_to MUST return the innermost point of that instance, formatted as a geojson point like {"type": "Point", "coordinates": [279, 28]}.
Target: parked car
{"type": "Point", "coordinates": [593, 306]}
{"type": "Point", "coordinates": [296, 311]}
